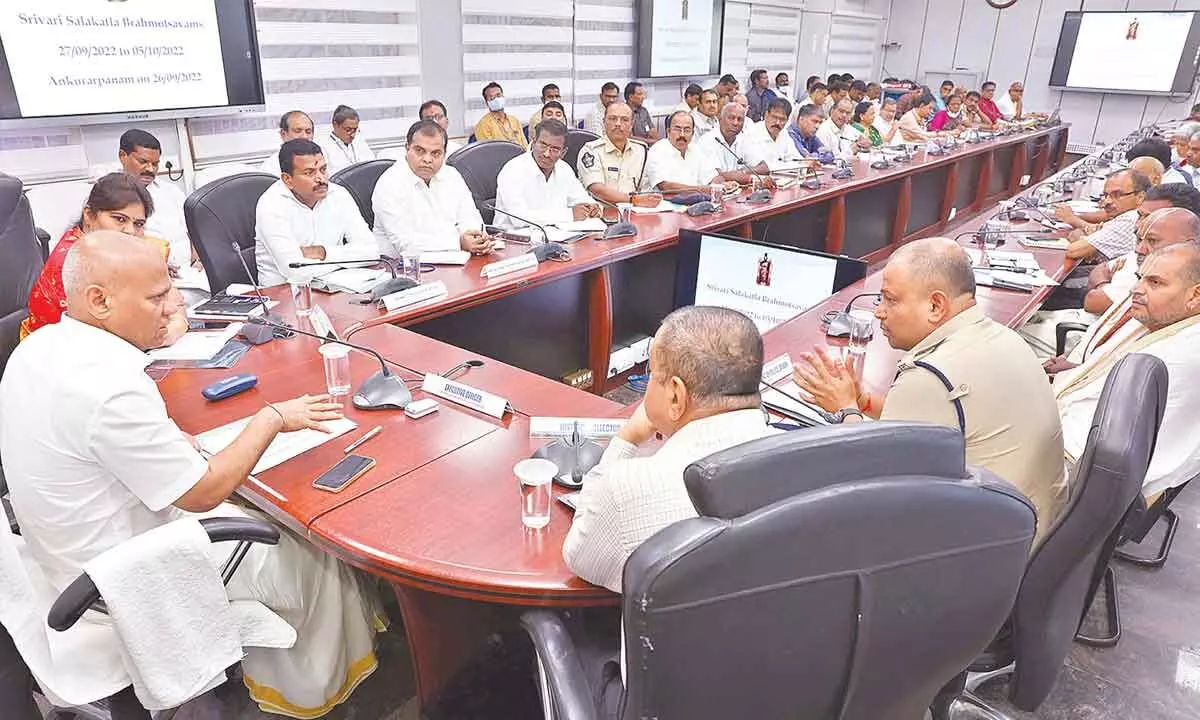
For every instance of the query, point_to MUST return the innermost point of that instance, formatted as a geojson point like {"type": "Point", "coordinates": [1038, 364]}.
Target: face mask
{"type": "Point", "coordinates": [496, 104]}
{"type": "Point", "coordinates": [783, 87]}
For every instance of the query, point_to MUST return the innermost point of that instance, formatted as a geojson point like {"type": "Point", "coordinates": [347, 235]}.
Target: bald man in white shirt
{"type": "Point", "coordinates": [305, 218]}
{"type": "Point", "coordinates": [92, 459]}
{"type": "Point", "coordinates": [423, 204]}
{"type": "Point", "coordinates": [539, 187]}
{"type": "Point", "coordinates": [293, 125]}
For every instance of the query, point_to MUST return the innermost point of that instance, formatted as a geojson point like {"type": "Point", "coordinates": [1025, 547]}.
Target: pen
{"type": "Point", "coordinates": [366, 436]}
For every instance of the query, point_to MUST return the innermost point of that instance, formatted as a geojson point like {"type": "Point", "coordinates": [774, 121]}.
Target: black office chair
{"type": "Point", "coordinates": [220, 214]}
{"type": "Point", "coordinates": [1142, 519]}
{"type": "Point", "coordinates": [359, 180]}
{"type": "Point", "coordinates": [811, 584]}
{"type": "Point", "coordinates": [17, 685]}
{"type": "Point", "coordinates": [1066, 571]}
{"type": "Point", "coordinates": [479, 164]}
{"type": "Point", "coordinates": [576, 139]}
{"type": "Point", "coordinates": [20, 262]}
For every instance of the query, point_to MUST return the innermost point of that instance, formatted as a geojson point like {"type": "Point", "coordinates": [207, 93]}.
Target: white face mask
{"type": "Point", "coordinates": [496, 104]}
{"type": "Point", "coordinates": [783, 86]}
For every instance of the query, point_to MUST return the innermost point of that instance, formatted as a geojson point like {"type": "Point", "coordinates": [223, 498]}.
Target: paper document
{"type": "Point", "coordinates": [578, 226]}
{"type": "Point", "coordinates": [1004, 259]}
{"type": "Point", "coordinates": [197, 344]}
{"type": "Point", "coordinates": [1044, 243]}
{"type": "Point", "coordinates": [1082, 206]}
{"type": "Point", "coordinates": [1030, 280]}
{"type": "Point", "coordinates": [445, 257]}
{"type": "Point", "coordinates": [284, 447]}
{"type": "Point", "coordinates": [351, 280]}
{"type": "Point", "coordinates": [663, 207]}
{"type": "Point", "coordinates": [191, 278]}
{"type": "Point", "coordinates": [777, 400]}
{"type": "Point", "coordinates": [554, 233]}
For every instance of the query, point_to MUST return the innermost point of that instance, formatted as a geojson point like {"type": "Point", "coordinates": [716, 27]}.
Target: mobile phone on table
{"type": "Point", "coordinates": [336, 478]}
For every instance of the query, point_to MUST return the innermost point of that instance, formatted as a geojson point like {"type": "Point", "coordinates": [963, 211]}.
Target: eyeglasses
{"type": "Point", "coordinates": [436, 118]}
{"type": "Point", "coordinates": [1117, 195]}
{"type": "Point", "coordinates": [549, 149]}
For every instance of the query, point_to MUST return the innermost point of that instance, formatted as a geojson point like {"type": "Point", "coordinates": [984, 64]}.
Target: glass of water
{"type": "Point", "coordinates": [716, 193]}
{"type": "Point", "coordinates": [410, 265]}
{"type": "Point", "coordinates": [337, 370]}
{"type": "Point", "coordinates": [536, 476]}
{"type": "Point", "coordinates": [302, 298]}
{"type": "Point", "coordinates": [862, 324]}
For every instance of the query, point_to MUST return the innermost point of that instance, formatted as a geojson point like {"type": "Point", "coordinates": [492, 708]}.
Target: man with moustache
{"type": "Point", "coordinates": [140, 153]}
{"type": "Point", "coordinates": [674, 165]}
{"type": "Point", "coordinates": [768, 142]}
{"type": "Point", "coordinates": [1123, 192]}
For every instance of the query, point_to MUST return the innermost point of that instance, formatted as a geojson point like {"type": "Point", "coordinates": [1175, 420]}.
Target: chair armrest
{"type": "Point", "coordinates": [569, 693]}
{"type": "Point", "coordinates": [1061, 331]}
{"type": "Point", "coordinates": [82, 594]}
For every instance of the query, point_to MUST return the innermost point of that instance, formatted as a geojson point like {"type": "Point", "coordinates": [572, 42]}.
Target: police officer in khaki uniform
{"type": "Point", "coordinates": [614, 166]}
{"type": "Point", "coordinates": [961, 370]}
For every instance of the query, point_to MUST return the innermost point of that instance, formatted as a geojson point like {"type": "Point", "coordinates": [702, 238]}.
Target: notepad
{"type": "Point", "coordinates": [284, 447]}
{"type": "Point", "coordinates": [197, 344]}
{"type": "Point", "coordinates": [445, 257]}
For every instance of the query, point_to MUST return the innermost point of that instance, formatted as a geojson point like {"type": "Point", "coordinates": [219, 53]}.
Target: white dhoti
{"type": "Point", "coordinates": [334, 616]}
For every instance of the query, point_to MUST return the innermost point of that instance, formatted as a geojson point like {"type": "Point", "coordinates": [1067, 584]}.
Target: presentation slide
{"type": "Point", "coordinates": [768, 285]}
{"type": "Point", "coordinates": [682, 41]}
{"type": "Point", "coordinates": [1129, 51]}
{"type": "Point", "coordinates": [69, 57]}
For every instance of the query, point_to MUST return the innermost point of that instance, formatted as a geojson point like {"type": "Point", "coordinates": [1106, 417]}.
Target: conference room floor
{"type": "Point", "coordinates": [1152, 674]}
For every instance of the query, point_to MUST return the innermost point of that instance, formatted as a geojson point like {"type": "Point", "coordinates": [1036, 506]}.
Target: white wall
{"type": "Point", "coordinates": [1019, 44]}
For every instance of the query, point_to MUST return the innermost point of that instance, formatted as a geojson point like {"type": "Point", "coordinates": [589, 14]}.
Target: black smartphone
{"type": "Point", "coordinates": [336, 478]}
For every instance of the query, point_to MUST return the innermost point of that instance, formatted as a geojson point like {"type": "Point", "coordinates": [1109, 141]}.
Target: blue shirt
{"type": "Point", "coordinates": [758, 101]}
{"type": "Point", "coordinates": [939, 103]}
{"type": "Point", "coordinates": [808, 146]}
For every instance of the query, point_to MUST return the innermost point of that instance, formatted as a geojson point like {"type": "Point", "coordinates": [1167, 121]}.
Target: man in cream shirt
{"type": "Point", "coordinates": [830, 133]}
{"type": "Point", "coordinates": [1165, 309]}
{"type": "Point", "coordinates": [293, 125]}
{"type": "Point", "coordinates": [423, 204]}
{"type": "Point", "coordinates": [704, 116]}
{"type": "Point", "coordinates": [92, 459]}
{"type": "Point", "coordinates": [961, 370]}
{"type": "Point", "coordinates": [305, 218]}
{"type": "Point", "coordinates": [344, 146]}
{"type": "Point", "coordinates": [139, 154]}
{"type": "Point", "coordinates": [705, 368]}
{"type": "Point", "coordinates": [539, 186]}
{"type": "Point", "coordinates": [674, 164]}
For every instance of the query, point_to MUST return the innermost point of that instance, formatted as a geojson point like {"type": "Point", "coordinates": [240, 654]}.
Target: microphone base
{"type": "Point", "coordinates": [620, 230]}
{"type": "Point", "coordinates": [759, 197]}
{"type": "Point", "coordinates": [382, 392]}
{"type": "Point", "coordinates": [573, 461]}
{"type": "Point", "coordinates": [391, 285]}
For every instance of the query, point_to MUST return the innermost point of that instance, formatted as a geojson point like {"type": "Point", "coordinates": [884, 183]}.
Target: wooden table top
{"type": "Point", "coordinates": [441, 509]}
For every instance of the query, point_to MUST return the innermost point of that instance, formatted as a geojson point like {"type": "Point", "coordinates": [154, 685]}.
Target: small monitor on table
{"type": "Point", "coordinates": [768, 283]}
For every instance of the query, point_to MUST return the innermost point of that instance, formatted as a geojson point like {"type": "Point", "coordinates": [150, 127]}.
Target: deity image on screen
{"type": "Point", "coordinates": [764, 272]}
{"type": "Point", "coordinates": [1131, 33]}
{"type": "Point", "coordinates": [683, 11]}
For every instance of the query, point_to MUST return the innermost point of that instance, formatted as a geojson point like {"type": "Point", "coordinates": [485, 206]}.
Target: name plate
{"type": "Point", "coordinates": [524, 261]}
{"type": "Point", "coordinates": [421, 293]}
{"type": "Point", "coordinates": [473, 398]}
{"type": "Point", "coordinates": [564, 427]}
{"type": "Point", "coordinates": [777, 370]}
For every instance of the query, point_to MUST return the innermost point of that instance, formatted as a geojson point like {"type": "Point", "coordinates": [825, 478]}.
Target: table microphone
{"type": "Point", "coordinates": [574, 456]}
{"type": "Point", "coordinates": [382, 391]}
{"type": "Point", "coordinates": [623, 228]}
{"type": "Point", "coordinates": [387, 287]}
{"type": "Point", "coordinates": [253, 337]}
{"type": "Point", "coordinates": [759, 196]}
{"type": "Point", "coordinates": [843, 171]}
{"type": "Point", "coordinates": [491, 205]}
{"type": "Point", "coordinates": [838, 321]}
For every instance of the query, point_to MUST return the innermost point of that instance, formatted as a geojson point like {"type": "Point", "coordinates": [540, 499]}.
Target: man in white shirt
{"type": "Point", "coordinates": [674, 164]}
{"type": "Point", "coordinates": [1123, 192]}
{"type": "Point", "coordinates": [724, 149]}
{"type": "Point", "coordinates": [1012, 106]}
{"type": "Point", "coordinates": [705, 368]}
{"type": "Point", "coordinates": [424, 204]}
{"type": "Point", "coordinates": [704, 116]}
{"type": "Point", "coordinates": [1166, 305]}
{"type": "Point", "coordinates": [609, 94]}
{"type": "Point", "coordinates": [831, 130]}
{"type": "Point", "coordinates": [691, 98]}
{"type": "Point", "coordinates": [139, 154]}
{"type": "Point", "coordinates": [305, 218]}
{"type": "Point", "coordinates": [434, 110]}
{"type": "Point", "coordinates": [539, 187]}
{"type": "Point", "coordinates": [344, 146]}
{"type": "Point", "coordinates": [768, 142]}
{"type": "Point", "coordinates": [92, 459]}
{"type": "Point", "coordinates": [293, 125]}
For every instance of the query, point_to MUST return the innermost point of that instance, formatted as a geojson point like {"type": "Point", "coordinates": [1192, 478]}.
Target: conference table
{"type": "Point", "coordinates": [438, 517]}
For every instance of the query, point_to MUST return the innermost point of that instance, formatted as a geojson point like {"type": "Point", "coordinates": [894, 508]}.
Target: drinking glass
{"type": "Point", "coordinates": [536, 476]}
{"type": "Point", "coordinates": [410, 265]}
{"type": "Point", "coordinates": [716, 193]}
{"type": "Point", "coordinates": [302, 298]}
{"type": "Point", "coordinates": [862, 323]}
{"type": "Point", "coordinates": [337, 370]}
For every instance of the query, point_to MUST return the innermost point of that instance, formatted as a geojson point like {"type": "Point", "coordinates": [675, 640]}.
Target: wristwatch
{"type": "Point", "coordinates": [841, 415]}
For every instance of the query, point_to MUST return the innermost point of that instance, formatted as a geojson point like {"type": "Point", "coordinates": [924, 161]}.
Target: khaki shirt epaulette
{"type": "Point", "coordinates": [601, 162]}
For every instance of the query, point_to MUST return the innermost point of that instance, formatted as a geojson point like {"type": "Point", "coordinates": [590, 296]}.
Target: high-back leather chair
{"type": "Point", "coordinates": [1066, 570]}
{"type": "Point", "coordinates": [576, 139]}
{"type": "Point", "coordinates": [359, 180]}
{"type": "Point", "coordinates": [220, 214]}
{"type": "Point", "coordinates": [20, 262]}
{"type": "Point", "coordinates": [812, 586]}
{"type": "Point", "coordinates": [479, 164]}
